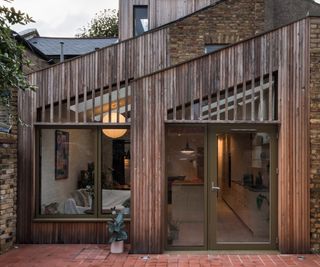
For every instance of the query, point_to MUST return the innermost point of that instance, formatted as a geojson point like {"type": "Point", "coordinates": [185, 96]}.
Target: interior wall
{"type": "Point", "coordinates": [220, 162]}
{"type": "Point", "coordinates": [107, 157]}
{"type": "Point", "coordinates": [81, 152]}
{"type": "Point", "coordinates": [240, 149]}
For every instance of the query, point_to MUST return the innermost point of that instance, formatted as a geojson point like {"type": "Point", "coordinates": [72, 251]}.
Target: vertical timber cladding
{"type": "Point", "coordinates": [283, 51]}
{"type": "Point", "coordinates": [26, 103]}
{"type": "Point", "coordinates": [106, 68]}
{"type": "Point", "coordinates": [65, 83]}
{"type": "Point", "coordinates": [294, 154]}
{"type": "Point", "coordinates": [148, 184]}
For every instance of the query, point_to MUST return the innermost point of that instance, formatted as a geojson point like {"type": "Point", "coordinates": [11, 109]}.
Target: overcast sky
{"type": "Point", "coordinates": [61, 18]}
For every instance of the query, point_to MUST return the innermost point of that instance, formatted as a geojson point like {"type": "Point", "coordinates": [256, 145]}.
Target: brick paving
{"type": "Point", "coordinates": [99, 255]}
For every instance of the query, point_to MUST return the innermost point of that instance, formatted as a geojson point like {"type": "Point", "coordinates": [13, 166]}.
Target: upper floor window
{"type": "Point", "coordinates": [140, 20]}
{"type": "Point", "coordinates": [209, 48]}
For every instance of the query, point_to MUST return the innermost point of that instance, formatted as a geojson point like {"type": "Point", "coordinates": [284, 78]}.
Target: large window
{"type": "Point", "coordinates": [83, 172]}
{"type": "Point", "coordinates": [140, 20]}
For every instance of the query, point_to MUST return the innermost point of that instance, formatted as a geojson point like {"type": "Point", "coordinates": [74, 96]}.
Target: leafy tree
{"type": "Point", "coordinates": [11, 54]}
{"type": "Point", "coordinates": [104, 24]}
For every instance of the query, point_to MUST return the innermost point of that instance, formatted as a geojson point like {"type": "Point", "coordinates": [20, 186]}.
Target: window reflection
{"type": "Point", "coordinates": [243, 207]}
{"type": "Point", "coordinates": [67, 171]}
{"type": "Point", "coordinates": [141, 22]}
{"type": "Point", "coordinates": [115, 171]}
{"type": "Point", "coordinates": [185, 186]}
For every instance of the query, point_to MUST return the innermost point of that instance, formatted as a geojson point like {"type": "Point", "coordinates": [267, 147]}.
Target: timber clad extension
{"type": "Point", "coordinates": [274, 52]}
{"type": "Point", "coordinates": [137, 79]}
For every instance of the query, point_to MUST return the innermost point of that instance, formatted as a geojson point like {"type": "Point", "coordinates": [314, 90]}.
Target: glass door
{"type": "Point", "coordinates": [242, 192]}
{"type": "Point", "coordinates": [186, 188]}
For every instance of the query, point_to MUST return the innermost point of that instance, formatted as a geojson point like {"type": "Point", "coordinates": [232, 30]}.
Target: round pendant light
{"type": "Point", "coordinates": [187, 150]}
{"type": "Point", "coordinates": [114, 133]}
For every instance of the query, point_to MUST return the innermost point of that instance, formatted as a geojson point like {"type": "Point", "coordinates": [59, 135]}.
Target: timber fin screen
{"type": "Point", "coordinates": [254, 100]}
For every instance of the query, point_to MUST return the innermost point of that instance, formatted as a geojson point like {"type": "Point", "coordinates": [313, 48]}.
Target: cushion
{"type": "Point", "coordinates": [86, 196]}
{"type": "Point", "coordinates": [81, 197]}
{"type": "Point", "coordinates": [78, 198]}
{"type": "Point", "coordinates": [52, 208]}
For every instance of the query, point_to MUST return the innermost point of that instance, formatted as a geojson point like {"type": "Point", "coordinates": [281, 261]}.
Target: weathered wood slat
{"type": "Point", "coordinates": [71, 232]}
{"type": "Point", "coordinates": [270, 115]}
{"type": "Point", "coordinates": [86, 80]}
{"type": "Point", "coordinates": [129, 59]}
{"type": "Point", "coordinates": [148, 139]}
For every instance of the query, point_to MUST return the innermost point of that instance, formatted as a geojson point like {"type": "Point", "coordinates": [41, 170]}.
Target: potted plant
{"type": "Point", "coordinates": [117, 232]}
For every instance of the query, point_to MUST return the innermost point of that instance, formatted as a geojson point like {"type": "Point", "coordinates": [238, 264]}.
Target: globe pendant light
{"type": "Point", "coordinates": [114, 133]}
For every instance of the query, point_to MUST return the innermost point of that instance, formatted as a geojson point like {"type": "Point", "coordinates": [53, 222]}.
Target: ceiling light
{"type": "Point", "coordinates": [114, 133]}
{"type": "Point", "coordinates": [187, 150]}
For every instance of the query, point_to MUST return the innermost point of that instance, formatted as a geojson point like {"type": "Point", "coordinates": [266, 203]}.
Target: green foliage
{"type": "Point", "coordinates": [11, 53]}
{"type": "Point", "coordinates": [104, 24]}
{"type": "Point", "coordinates": [116, 228]}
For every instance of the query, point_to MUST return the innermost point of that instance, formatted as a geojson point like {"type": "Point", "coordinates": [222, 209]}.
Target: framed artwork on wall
{"type": "Point", "coordinates": [61, 155]}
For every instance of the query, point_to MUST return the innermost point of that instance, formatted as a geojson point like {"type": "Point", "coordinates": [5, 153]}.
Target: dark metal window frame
{"type": "Point", "coordinates": [134, 18]}
{"type": "Point", "coordinates": [98, 215]}
{"type": "Point", "coordinates": [209, 237]}
{"type": "Point", "coordinates": [221, 46]}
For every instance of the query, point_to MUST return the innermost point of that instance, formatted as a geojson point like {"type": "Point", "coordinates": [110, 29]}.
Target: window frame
{"type": "Point", "coordinates": [134, 19]}
{"type": "Point", "coordinates": [98, 215]}
{"type": "Point", "coordinates": [221, 46]}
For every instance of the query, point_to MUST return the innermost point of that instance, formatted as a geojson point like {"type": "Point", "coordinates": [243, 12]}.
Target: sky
{"type": "Point", "coordinates": [60, 18]}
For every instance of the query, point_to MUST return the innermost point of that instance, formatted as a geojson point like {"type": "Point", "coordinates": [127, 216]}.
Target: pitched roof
{"type": "Point", "coordinates": [51, 46]}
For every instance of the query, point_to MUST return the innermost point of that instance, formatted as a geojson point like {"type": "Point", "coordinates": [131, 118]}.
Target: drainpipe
{"type": "Point", "coordinates": [61, 52]}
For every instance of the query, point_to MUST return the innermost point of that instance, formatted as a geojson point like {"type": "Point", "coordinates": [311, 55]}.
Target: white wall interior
{"type": "Point", "coordinates": [81, 152]}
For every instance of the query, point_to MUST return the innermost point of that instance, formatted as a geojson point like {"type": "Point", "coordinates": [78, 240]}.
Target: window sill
{"type": "Point", "coordinates": [75, 220]}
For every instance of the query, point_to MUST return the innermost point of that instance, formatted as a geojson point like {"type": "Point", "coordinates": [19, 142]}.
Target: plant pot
{"type": "Point", "coordinates": [117, 247]}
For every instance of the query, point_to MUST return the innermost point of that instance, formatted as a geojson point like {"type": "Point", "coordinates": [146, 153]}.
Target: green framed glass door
{"type": "Point", "coordinates": [242, 187]}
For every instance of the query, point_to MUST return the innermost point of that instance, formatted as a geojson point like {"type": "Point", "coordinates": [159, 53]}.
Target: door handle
{"type": "Point", "coordinates": [214, 188]}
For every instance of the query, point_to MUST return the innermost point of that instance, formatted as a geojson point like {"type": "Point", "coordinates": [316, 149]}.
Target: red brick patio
{"type": "Point", "coordinates": [96, 255]}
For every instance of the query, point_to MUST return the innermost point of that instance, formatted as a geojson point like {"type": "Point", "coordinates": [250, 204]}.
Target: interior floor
{"type": "Point", "coordinates": [230, 228]}
{"type": "Point", "coordinates": [190, 233]}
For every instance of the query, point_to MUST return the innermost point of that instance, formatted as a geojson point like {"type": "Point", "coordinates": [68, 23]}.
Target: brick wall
{"type": "Point", "coordinates": [227, 22]}
{"type": "Point", "coordinates": [283, 12]}
{"type": "Point", "coordinates": [231, 21]}
{"type": "Point", "coordinates": [315, 134]}
{"type": "Point", "coordinates": [8, 181]}
{"type": "Point", "coordinates": [36, 62]}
